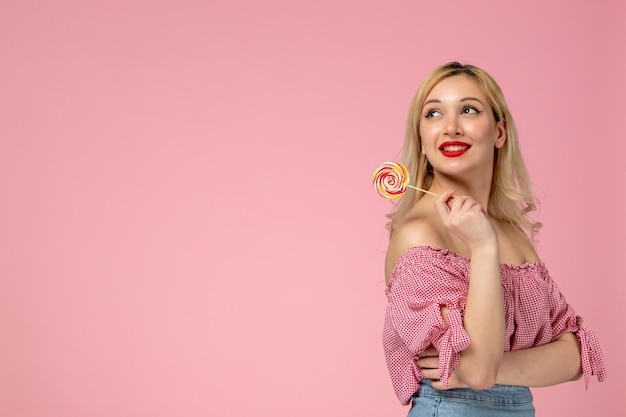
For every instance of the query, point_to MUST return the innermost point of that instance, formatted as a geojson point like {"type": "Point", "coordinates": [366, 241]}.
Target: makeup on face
{"type": "Point", "coordinates": [454, 148]}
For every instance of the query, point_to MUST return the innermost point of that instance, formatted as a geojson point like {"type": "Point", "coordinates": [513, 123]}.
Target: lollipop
{"type": "Point", "coordinates": [391, 180]}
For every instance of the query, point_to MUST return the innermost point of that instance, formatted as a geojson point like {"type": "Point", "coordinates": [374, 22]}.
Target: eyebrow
{"type": "Point", "coordinates": [461, 100]}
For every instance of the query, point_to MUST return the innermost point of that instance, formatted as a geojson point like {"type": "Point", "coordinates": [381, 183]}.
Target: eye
{"type": "Point", "coordinates": [432, 113]}
{"type": "Point", "coordinates": [470, 110]}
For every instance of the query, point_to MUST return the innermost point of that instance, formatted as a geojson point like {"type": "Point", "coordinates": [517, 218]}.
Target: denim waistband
{"type": "Point", "coordinates": [498, 394]}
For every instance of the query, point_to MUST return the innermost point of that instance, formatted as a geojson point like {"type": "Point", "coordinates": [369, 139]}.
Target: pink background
{"type": "Point", "coordinates": [187, 225]}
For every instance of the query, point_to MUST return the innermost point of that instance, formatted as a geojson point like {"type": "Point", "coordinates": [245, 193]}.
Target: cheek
{"type": "Point", "coordinates": [479, 131]}
{"type": "Point", "coordinates": [424, 141]}
{"type": "Point", "coordinates": [428, 133]}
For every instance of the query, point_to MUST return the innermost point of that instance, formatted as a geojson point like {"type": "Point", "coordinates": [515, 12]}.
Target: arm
{"type": "Point", "coordinates": [483, 322]}
{"type": "Point", "coordinates": [541, 366]}
{"type": "Point", "coordinates": [484, 310]}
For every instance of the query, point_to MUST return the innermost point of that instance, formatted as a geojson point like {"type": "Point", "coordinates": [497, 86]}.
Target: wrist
{"type": "Point", "coordinates": [486, 249]}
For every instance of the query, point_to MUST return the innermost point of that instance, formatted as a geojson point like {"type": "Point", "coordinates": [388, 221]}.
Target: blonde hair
{"type": "Point", "coordinates": [510, 198]}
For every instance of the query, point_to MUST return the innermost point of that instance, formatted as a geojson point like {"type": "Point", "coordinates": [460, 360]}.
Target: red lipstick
{"type": "Point", "coordinates": [453, 148]}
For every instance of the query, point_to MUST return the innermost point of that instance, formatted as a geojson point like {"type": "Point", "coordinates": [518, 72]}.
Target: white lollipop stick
{"type": "Point", "coordinates": [422, 190]}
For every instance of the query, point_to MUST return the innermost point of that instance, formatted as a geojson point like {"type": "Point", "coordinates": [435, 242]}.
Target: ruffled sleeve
{"type": "Point", "coordinates": [420, 284]}
{"type": "Point", "coordinates": [565, 320]}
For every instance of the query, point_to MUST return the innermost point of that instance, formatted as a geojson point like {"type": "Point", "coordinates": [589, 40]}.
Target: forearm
{"type": "Point", "coordinates": [544, 365]}
{"type": "Point", "coordinates": [483, 321]}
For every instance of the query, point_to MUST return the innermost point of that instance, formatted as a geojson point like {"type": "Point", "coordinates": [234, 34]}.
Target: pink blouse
{"type": "Point", "coordinates": [424, 278]}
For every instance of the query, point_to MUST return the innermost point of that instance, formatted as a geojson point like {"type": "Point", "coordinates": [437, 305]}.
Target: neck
{"type": "Point", "coordinates": [478, 187]}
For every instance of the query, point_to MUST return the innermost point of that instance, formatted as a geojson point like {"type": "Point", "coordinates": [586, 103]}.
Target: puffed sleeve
{"type": "Point", "coordinates": [565, 320]}
{"type": "Point", "coordinates": [419, 287]}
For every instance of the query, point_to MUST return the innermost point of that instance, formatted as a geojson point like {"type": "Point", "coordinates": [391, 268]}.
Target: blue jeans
{"type": "Point", "coordinates": [497, 401]}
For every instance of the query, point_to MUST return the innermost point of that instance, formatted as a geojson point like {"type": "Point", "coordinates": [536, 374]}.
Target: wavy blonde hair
{"type": "Point", "coordinates": [510, 198]}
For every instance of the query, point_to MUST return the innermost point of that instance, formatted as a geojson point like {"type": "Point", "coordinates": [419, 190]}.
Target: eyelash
{"type": "Point", "coordinates": [429, 113]}
{"type": "Point", "coordinates": [471, 108]}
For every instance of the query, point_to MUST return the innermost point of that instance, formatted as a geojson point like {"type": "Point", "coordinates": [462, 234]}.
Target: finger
{"type": "Point", "coordinates": [441, 204]}
{"type": "Point", "coordinates": [470, 206]}
{"type": "Point", "coordinates": [431, 351]}
{"type": "Point", "coordinates": [429, 362]}
{"type": "Point", "coordinates": [430, 374]}
{"type": "Point", "coordinates": [466, 203]}
{"type": "Point", "coordinates": [438, 385]}
{"type": "Point", "coordinates": [457, 203]}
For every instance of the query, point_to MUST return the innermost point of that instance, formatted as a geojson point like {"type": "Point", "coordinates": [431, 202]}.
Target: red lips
{"type": "Point", "coordinates": [458, 148]}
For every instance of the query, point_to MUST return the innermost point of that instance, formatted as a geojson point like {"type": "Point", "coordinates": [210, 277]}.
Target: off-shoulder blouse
{"type": "Point", "coordinates": [426, 278]}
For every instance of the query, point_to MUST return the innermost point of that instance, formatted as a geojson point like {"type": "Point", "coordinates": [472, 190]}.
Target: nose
{"type": "Point", "coordinates": [453, 127]}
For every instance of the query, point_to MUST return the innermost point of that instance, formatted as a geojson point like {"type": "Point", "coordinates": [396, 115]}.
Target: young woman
{"type": "Point", "coordinates": [474, 318]}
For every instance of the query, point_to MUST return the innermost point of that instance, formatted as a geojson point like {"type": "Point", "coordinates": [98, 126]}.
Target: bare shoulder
{"type": "Point", "coordinates": [416, 231]}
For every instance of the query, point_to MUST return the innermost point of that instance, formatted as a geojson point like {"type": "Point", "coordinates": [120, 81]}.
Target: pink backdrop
{"type": "Point", "coordinates": [187, 224]}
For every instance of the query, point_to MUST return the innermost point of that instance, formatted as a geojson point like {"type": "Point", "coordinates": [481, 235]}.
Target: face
{"type": "Point", "coordinates": [458, 130]}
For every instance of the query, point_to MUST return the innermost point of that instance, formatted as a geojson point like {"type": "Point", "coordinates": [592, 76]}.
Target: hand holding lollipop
{"type": "Point", "coordinates": [391, 180]}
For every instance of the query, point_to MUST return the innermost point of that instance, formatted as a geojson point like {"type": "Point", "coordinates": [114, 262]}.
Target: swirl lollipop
{"type": "Point", "coordinates": [391, 180]}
